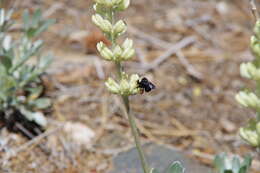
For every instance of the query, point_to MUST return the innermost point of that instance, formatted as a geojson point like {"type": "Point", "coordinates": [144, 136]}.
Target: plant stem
{"type": "Point", "coordinates": [135, 134]}
{"type": "Point", "coordinates": [131, 119]}
{"type": "Point", "coordinates": [119, 69]}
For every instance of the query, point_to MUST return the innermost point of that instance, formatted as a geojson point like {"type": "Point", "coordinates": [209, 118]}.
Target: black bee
{"type": "Point", "coordinates": [145, 85]}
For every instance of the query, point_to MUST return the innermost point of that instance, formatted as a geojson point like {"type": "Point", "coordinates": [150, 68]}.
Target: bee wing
{"type": "Point", "coordinates": [151, 85]}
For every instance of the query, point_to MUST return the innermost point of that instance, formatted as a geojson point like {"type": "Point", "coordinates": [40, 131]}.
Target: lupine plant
{"type": "Point", "coordinates": [125, 85]}
{"type": "Point", "coordinates": [20, 83]}
{"type": "Point", "coordinates": [223, 164]}
{"type": "Point", "coordinates": [251, 70]}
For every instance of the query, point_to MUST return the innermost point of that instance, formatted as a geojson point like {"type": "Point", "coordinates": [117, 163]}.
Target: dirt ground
{"type": "Point", "coordinates": [190, 49]}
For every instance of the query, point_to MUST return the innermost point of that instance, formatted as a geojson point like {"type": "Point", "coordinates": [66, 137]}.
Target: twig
{"type": "Point", "coordinates": [173, 50]}
{"type": "Point", "coordinates": [190, 69]}
{"type": "Point", "coordinates": [254, 9]}
{"type": "Point", "coordinates": [35, 140]}
{"type": "Point", "coordinates": [155, 41]}
{"type": "Point", "coordinates": [53, 9]}
{"type": "Point", "coordinates": [99, 69]}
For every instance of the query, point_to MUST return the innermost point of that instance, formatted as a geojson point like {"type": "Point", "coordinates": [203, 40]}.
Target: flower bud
{"type": "Point", "coordinates": [123, 5]}
{"type": "Point", "coordinates": [106, 26]}
{"type": "Point", "coordinates": [127, 86]}
{"type": "Point", "coordinates": [128, 53]}
{"type": "Point", "coordinates": [124, 87]}
{"type": "Point", "coordinates": [97, 19]}
{"type": "Point", "coordinates": [117, 53]}
{"type": "Point", "coordinates": [103, 24]}
{"type": "Point", "coordinates": [134, 89]}
{"type": "Point", "coordinates": [128, 43]}
{"type": "Point", "coordinates": [112, 86]}
{"type": "Point", "coordinates": [250, 136]}
{"type": "Point", "coordinates": [248, 99]}
{"type": "Point", "coordinates": [119, 28]}
{"type": "Point", "coordinates": [104, 51]}
{"type": "Point", "coordinates": [249, 70]}
{"type": "Point", "coordinates": [116, 2]}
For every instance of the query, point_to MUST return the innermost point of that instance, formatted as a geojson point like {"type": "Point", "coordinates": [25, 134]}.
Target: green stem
{"type": "Point", "coordinates": [131, 119]}
{"type": "Point", "coordinates": [119, 69]}
{"type": "Point", "coordinates": [135, 134]}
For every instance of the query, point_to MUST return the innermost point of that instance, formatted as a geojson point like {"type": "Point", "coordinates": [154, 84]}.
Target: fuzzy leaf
{"type": "Point", "coordinates": [37, 117]}
{"type": "Point", "coordinates": [26, 20]}
{"type": "Point", "coordinates": [36, 18]}
{"type": "Point", "coordinates": [175, 167]}
{"type": "Point", "coordinates": [45, 61]}
{"type": "Point", "coordinates": [246, 164]}
{"type": "Point", "coordinates": [34, 92]}
{"type": "Point", "coordinates": [44, 26]}
{"type": "Point", "coordinates": [42, 103]}
{"type": "Point", "coordinates": [7, 63]}
{"type": "Point", "coordinates": [235, 164]}
{"type": "Point", "coordinates": [219, 163]}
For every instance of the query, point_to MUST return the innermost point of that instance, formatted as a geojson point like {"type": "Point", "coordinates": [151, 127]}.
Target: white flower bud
{"type": "Point", "coordinates": [119, 28]}
{"type": "Point", "coordinates": [112, 86]}
{"type": "Point", "coordinates": [128, 53]}
{"type": "Point", "coordinates": [128, 43]}
{"type": "Point", "coordinates": [250, 136]}
{"type": "Point", "coordinates": [115, 2]}
{"type": "Point", "coordinates": [106, 26]}
{"type": "Point", "coordinates": [250, 71]}
{"type": "Point", "coordinates": [104, 51]}
{"type": "Point", "coordinates": [244, 70]}
{"type": "Point", "coordinates": [248, 99]}
{"type": "Point", "coordinates": [97, 19]}
{"type": "Point", "coordinates": [117, 53]}
{"type": "Point", "coordinates": [103, 24]}
{"type": "Point", "coordinates": [123, 5]}
{"type": "Point", "coordinates": [127, 86]}
{"type": "Point", "coordinates": [134, 89]}
{"type": "Point", "coordinates": [124, 87]}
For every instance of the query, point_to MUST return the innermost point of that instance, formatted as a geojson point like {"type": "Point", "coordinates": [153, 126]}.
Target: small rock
{"type": "Point", "coordinates": [158, 156]}
{"type": "Point", "coordinates": [227, 125]}
{"type": "Point", "coordinates": [79, 133]}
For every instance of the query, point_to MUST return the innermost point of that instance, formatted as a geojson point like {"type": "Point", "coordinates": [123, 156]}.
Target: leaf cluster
{"type": "Point", "coordinates": [225, 165]}
{"type": "Point", "coordinates": [20, 84]}
{"type": "Point", "coordinates": [175, 167]}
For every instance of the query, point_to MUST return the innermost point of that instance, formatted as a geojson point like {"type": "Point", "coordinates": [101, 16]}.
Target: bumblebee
{"type": "Point", "coordinates": [145, 85]}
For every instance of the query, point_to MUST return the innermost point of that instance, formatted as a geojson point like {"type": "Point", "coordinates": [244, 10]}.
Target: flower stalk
{"type": "Point", "coordinates": [251, 99]}
{"type": "Point", "coordinates": [125, 85]}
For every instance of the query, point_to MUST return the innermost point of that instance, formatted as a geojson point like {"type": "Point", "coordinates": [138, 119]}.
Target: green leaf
{"type": "Point", "coordinates": [246, 164]}
{"type": "Point", "coordinates": [175, 167]}
{"type": "Point", "coordinates": [7, 63]}
{"type": "Point", "coordinates": [219, 162]}
{"type": "Point", "coordinates": [235, 164]}
{"type": "Point", "coordinates": [153, 170]}
{"type": "Point", "coordinates": [35, 92]}
{"type": "Point", "coordinates": [26, 20]}
{"type": "Point", "coordinates": [44, 62]}
{"type": "Point", "coordinates": [37, 117]}
{"type": "Point", "coordinates": [42, 103]}
{"type": "Point", "coordinates": [36, 18]}
{"type": "Point", "coordinates": [44, 26]}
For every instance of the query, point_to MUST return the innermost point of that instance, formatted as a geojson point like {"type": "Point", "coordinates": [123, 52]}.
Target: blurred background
{"type": "Point", "coordinates": [190, 49]}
